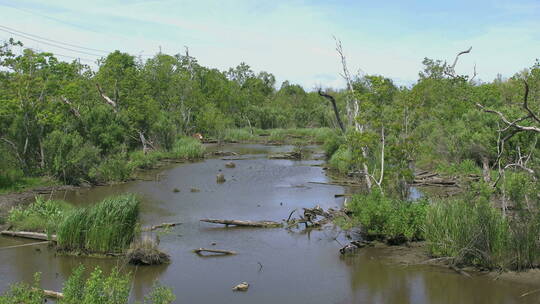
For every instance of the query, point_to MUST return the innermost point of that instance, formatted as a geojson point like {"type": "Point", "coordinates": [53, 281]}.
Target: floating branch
{"type": "Point", "coordinates": [225, 252]}
{"type": "Point", "coordinates": [259, 224]}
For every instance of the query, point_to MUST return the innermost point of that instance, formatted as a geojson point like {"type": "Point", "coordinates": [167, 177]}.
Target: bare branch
{"type": "Point", "coordinates": [506, 121]}
{"type": "Point", "coordinates": [457, 57]}
{"type": "Point", "coordinates": [336, 112]}
{"type": "Point", "coordinates": [106, 98]}
{"type": "Point", "coordinates": [72, 109]}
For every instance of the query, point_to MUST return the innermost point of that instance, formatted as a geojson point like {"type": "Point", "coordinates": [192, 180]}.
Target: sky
{"type": "Point", "coordinates": [291, 39]}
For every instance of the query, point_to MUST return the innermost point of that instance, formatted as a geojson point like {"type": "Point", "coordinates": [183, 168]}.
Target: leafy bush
{"type": "Point", "coordinates": [68, 157]}
{"type": "Point", "coordinates": [42, 215]}
{"type": "Point", "coordinates": [387, 218]}
{"type": "Point", "coordinates": [106, 227]}
{"type": "Point", "coordinates": [332, 142]}
{"type": "Point", "coordinates": [341, 160]}
{"type": "Point", "coordinates": [138, 159]}
{"type": "Point", "coordinates": [96, 289]}
{"type": "Point", "coordinates": [112, 169]}
{"type": "Point", "coordinates": [188, 148]}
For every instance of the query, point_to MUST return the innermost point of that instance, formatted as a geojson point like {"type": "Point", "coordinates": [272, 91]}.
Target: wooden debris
{"type": "Point", "coordinates": [220, 178]}
{"type": "Point", "coordinates": [163, 225]}
{"type": "Point", "coordinates": [219, 251]}
{"type": "Point", "coordinates": [354, 246]}
{"type": "Point", "coordinates": [51, 294]}
{"type": "Point", "coordinates": [288, 155]}
{"type": "Point", "coordinates": [342, 183]}
{"type": "Point", "coordinates": [241, 287]}
{"type": "Point", "coordinates": [29, 235]}
{"type": "Point", "coordinates": [259, 224]}
{"type": "Point", "coordinates": [426, 178]}
{"type": "Point", "coordinates": [224, 153]}
{"type": "Point", "coordinates": [25, 245]}
{"type": "Point", "coordinates": [230, 165]}
{"type": "Point", "coordinates": [343, 195]}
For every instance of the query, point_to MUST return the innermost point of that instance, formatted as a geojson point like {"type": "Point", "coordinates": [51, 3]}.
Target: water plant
{"type": "Point", "coordinates": [106, 227]}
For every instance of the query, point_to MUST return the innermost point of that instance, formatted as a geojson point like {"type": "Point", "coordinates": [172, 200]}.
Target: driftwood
{"type": "Point", "coordinates": [29, 235]}
{"type": "Point", "coordinates": [225, 252]}
{"type": "Point", "coordinates": [51, 294]}
{"type": "Point", "coordinates": [343, 183]}
{"type": "Point", "coordinates": [163, 225]}
{"type": "Point", "coordinates": [224, 153]}
{"type": "Point", "coordinates": [259, 224]}
{"type": "Point", "coordinates": [288, 155]}
{"type": "Point", "coordinates": [354, 246]}
{"type": "Point", "coordinates": [25, 245]}
{"type": "Point", "coordinates": [426, 178]}
{"type": "Point", "coordinates": [315, 217]}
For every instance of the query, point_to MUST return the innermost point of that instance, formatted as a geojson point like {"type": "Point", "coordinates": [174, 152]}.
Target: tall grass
{"type": "Point", "coordinates": [341, 160]}
{"type": "Point", "coordinates": [473, 233]}
{"type": "Point", "coordinates": [106, 227]}
{"type": "Point", "coordinates": [188, 148]}
{"type": "Point", "coordinates": [40, 216]}
{"type": "Point", "coordinates": [239, 135]}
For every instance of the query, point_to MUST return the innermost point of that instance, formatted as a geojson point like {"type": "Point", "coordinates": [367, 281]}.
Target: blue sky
{"type": "Point", "coordinates": [293, 39]}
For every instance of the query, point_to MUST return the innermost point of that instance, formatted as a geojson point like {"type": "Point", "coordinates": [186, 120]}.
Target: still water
{"type": "Point", "coordinates": [280, 266]}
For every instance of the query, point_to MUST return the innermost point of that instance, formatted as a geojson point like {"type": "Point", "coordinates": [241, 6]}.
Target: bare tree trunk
{"type": "Point", "coordinates": [336, 112]}
{"type": "Point", "coordinates": [485, 169]}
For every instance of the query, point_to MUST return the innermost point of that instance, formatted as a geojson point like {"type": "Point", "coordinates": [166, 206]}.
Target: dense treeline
{"type": "Point", "coordinates": [70, 122]}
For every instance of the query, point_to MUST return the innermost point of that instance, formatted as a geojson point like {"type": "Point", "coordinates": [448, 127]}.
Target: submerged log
{"type": "Point", "coordinates": [224, 153]}
{"type": "Point", "coordinates": [259, 224]}
{"type": "Point", "coordinates": [163, 225]}
{"type": "Point", "coordinates": [288, 155]}
{"type": "Point", "coordinates": [220, 251]}
{"type": "Point", "coordinates": [30, 235]}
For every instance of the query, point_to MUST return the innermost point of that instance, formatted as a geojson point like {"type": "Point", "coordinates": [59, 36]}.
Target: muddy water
{"type": "Point", "coordinates": [281, 266]}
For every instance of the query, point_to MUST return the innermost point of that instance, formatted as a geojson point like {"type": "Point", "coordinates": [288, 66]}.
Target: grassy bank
{"type": "Point", "coordinates": [40, 216]}
{"type": "Point", "coordinates": [467, 231]}
{"type": "Point", "coordinates": [97, 287]}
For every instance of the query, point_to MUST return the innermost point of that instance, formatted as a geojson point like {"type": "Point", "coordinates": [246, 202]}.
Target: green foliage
{"type": "Point", "coordinates": [98, 288]}
{"type": "Point", "coordinates": [472, 233]}
{"type": "Point", "coordinates": [387, 218]}
{"type": "Point", "coordinates": [115, 168]}
{"type": "Point", "coordinates": [160, 295]}
{"type": "Point", "coordinates": [106, 227]}
{"type": "Point", "coordinates": [332, 142]}
{"type": "Point", "coordinates": [24, 293]}
{"type": "Point", "coordinates": [341, 160]}
{"type": "Point", "coordinates": [238, 135]}
{"type": "Point", "coordinates": [41, 216]}
{"type": "Point", "coordinates": [69, 158]}
{"type": "Point", "coordinates": [188, 148]}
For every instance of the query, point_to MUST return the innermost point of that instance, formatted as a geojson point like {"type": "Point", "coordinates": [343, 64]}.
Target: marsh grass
{"type": "Point", "coordinates": [472, 233]}
{"type": "Point", "coordinates": [40, 216]}
{"type": "Point", "coordinates": [188, 148]}
{"type": "Point", "coordinates": [106, 227]}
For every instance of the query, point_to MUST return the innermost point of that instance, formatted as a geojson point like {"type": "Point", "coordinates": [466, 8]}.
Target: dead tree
{"type": "Point", "coordinates": [336, 112]}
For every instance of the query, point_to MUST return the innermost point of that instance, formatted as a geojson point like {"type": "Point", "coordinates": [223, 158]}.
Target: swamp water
{"type": "Point", "coordinates": [280, 266]}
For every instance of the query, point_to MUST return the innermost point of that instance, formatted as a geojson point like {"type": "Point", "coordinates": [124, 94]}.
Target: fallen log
{"type": "Point", "coordinates": [224, 153]}
{"type": "Point", "coordinates": [288, 155]}
{"type": "Point", "coordinates": [25, 245]}
{"type": "Point", "coordinates": [29, 235]}
{"type": "Point", "coordinates": [259, 224]}
{"type": "Point", "coordinates": [348, 184]}
{"type": "Point", "coordinates": [225, 252]}
{"type": "Point", "coordinates": [50, 294]}
{"type": "Point", "coordinates": [163, 225]}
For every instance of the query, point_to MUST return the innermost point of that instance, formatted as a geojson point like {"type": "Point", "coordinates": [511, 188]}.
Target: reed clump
{"type": "Point", "coordinates": [107, 227]}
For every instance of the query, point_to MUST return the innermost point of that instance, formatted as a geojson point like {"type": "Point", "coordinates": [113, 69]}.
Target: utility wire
{"type": "Point", "coordinates": [51, 44]}
{"type": "Point", "coordinates": [51, 40]}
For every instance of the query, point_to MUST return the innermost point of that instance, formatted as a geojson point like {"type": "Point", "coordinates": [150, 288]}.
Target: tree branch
{"type": "Point", "coordinates": [336, 112]}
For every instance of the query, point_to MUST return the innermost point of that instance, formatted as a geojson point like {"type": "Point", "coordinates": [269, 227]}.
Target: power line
{"type": "Point", "coordinates": [51, 44]}
{"type": "Point", "coordinates": [55, 41]}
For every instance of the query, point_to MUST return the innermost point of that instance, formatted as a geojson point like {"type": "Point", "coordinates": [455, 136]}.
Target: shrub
{"type": "Point", "coordinates": [341, 160]}
{"type": "Point", "coordinates": [332, 142]}
{"type": "Point", "coordinates": [188, 148]}
{"type": "Point", "coordinates": [97, 288]}
{"type": "Point", "coordinates": [106, 227]}
{"type": "Point", "coordinates": [140, 160]}
{"type": "Point", "coordinates": [112, 169]}
{"type": "Point", "coordinates": [68, 157]}
{"type": "Point", "coordinates": [390, 219]}
{"type": "Point", "coordinates": [42, 215]}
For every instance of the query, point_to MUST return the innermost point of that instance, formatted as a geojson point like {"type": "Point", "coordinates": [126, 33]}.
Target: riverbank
{"type": "Point", "coordinates": [415, 254]}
